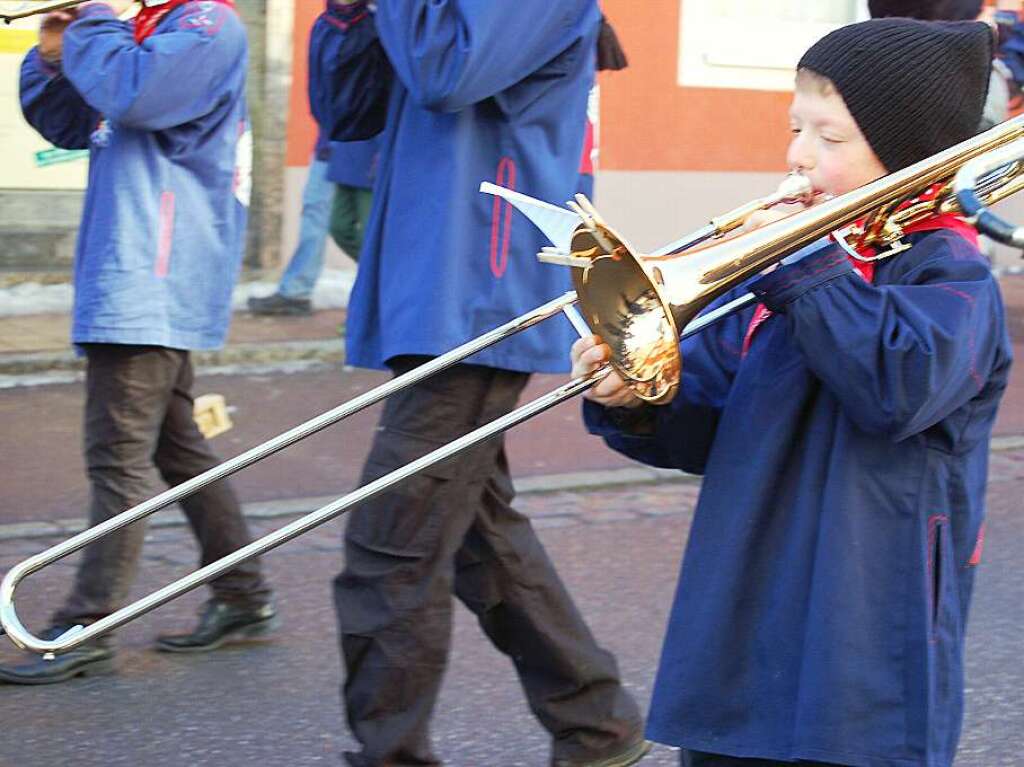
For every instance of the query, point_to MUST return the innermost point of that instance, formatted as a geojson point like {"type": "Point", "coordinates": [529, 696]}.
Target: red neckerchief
{"type": "Point", "coordinates": [147, 19]}
{"type": "Point", "coordinates": [867, 268]}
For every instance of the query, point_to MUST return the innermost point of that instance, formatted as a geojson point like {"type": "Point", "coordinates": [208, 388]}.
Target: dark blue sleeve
{"type": "Point", "coordinates": [898, 357]}
{"type": "Point", "coordinates": [52, 106]}
{"type": "Point", "coordinates": [679, 435]}
{"type": "Point", "coordinates": [174, 77]}
{"type": "Point", "coordinates": [349, 74]}
{"type": "Point", "coordinates": [450, 54]}
{"type": "Point", "coordinates": [1011, 51]}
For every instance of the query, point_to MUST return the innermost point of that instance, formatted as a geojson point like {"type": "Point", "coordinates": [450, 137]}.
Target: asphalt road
{"type": "Point", "coordinates": [43, 473]}
{"type": "Point", "coordinates": [278, 704]}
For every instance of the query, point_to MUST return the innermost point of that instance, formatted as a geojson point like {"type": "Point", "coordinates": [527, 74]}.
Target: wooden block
{"type": "Point", "coordinates": [211, 415]}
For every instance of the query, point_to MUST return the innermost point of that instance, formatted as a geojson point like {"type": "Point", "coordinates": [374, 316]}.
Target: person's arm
{"type": "Point", "coordinates": [680, 434]}
{"type": "Point", "coordinates": [674, 436]}
{"type": "Point", "coordinates": [52, 106]}
{"type": "Point", "coordinates": [175, 76]}
{"type": "Point", "coordinates": [349, 73]}
{"type": "Point", "coordinates": [898, 357]}
{"type": "Point", "coordinates": [1010, 51]}
{"type": "Point", "coordinates": [49, 102]}
{"type": "Point", "coordinates": [450, 54]}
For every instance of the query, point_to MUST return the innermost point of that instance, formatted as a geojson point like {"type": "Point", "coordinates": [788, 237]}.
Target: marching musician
{"type": "Point", "coordinates": [822, 603]}
{"type": "Point", "coordinates": [460, 91]}
{"type": "Point", "coordinates": [160, 103]}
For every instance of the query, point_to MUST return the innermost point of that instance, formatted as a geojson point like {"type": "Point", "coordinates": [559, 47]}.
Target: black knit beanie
{"type": "Point", "coordinates": [914, 87]}
{"type": "Point", "coordinates": [928, 10]}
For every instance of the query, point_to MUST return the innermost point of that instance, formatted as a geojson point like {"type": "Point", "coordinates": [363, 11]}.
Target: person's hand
{"type": "Point", "coordinates": [587, 355]}
{"type": "Point", "coordinates": [762, 217]}
{"type": "Point", "coordinates": [51, 34]}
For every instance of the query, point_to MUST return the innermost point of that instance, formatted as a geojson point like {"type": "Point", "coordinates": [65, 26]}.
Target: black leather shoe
{"type": "Point", "coordinates": [220, 623]}
{"type": "Point", "coordinates": [276, 305]}
{"type": "Point", "coordinates": [630, 755]}
{"type": "Point", "coordinates": [93, 658]}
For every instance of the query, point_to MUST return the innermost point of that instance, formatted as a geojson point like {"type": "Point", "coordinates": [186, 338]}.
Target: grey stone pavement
{"type": "Point", "coordinates": [277, 703]}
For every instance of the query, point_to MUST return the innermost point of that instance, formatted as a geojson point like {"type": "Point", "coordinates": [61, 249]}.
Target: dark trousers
{"type": "Point", "coordinates": [138, 422]}
{"type": "Point", "coordinates": [700, 759]}
{"type": "Point", "coordinates": [451, 529]}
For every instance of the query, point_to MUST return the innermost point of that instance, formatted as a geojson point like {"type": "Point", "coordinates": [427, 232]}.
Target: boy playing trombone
{"type": "Point", "coordinates": [842, 429]}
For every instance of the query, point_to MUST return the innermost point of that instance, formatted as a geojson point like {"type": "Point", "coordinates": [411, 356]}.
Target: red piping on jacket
{"type": "Point", "coordinates": [505, 177]}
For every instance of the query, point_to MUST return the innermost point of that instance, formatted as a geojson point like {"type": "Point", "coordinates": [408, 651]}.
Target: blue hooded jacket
{"type": "Point", "coordinates": [353, 163]}
{"type": "Point", "coordinates": [822, 604]}
{"type": "Point", "coordinates": [163, 227]}
{"type": "Point", "coordinates": [464, 91]}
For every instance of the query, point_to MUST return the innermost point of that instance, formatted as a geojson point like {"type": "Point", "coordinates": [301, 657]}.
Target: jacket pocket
{"type": "Point", "coordinates": [938, 565]}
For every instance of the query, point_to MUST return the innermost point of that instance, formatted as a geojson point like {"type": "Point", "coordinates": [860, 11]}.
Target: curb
{"type": "Point", "coordinates": [290, 507]}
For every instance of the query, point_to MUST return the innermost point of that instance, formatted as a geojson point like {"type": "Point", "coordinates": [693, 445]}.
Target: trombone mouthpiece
{"type": "Point", "coordinates": [795, 188]}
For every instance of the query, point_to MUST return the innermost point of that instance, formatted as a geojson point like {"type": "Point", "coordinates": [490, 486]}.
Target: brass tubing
{"type": "Point", "coordinates": [80, 634]}
{"type": "Point", "coordinates": [58, 6]}
{"type": "Point", "coordinates": [8, 615]}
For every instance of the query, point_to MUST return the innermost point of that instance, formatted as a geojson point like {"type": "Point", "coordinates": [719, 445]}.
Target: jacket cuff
{"type": "Point", "coordinates": [611, 421]}
{"type": "Point", "coordinates": [50, 69]}
{"type": "Point", "coordinates": [787, 283]}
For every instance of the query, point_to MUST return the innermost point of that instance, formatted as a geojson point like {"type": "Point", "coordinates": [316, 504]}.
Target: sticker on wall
{"type": "Point", "coordinates": [55, 156]}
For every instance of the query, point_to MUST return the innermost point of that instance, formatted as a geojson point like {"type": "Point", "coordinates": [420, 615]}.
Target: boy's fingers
{"type": "Point", "coordinates": [610, 390]}
{"type": "Point", "coordinates": [584, 343]}
{"type": "Point", "coordinates": [587, 355]}
{"type": "Point", "coordinates": [595, 355]}
{"type": "Point", "coordinates": [580, 346]}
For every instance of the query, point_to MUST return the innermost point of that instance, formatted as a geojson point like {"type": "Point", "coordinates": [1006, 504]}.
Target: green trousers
{"type": "Point", "coordinates": [349, 213]}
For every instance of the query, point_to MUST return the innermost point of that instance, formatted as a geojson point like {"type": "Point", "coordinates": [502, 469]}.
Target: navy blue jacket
{"type": "Point", "coordinates": [163, 226]}
{"type": "Point", "coordinates": [464, 91]}
{"type": "Point", "coordinates": [822, 603]}
{"type": "Point", "coordinates": [351, 163]}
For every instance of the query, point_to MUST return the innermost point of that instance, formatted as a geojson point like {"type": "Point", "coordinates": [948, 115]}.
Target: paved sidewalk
{"type": "Point", "coordinates": [23, 334]}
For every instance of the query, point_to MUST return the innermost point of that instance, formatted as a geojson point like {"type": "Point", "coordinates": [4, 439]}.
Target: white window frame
{"type": "Point", "coordinates": [755, 54]}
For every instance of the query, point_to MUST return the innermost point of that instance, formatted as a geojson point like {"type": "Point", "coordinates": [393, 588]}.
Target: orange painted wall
{"type": "Point", "coordinates": [648, 122]}
{"type": "Point", "coordinates": [301, 127]}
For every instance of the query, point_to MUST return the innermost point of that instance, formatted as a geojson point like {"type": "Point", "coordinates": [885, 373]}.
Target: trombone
{"type": "Point", "coordinates": [57, 6]}
{"type": "Point", "coordinates": [638, 305]}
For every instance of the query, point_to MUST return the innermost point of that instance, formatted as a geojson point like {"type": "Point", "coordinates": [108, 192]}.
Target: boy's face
{"type": "Point", "coordinates": [827, 145]}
